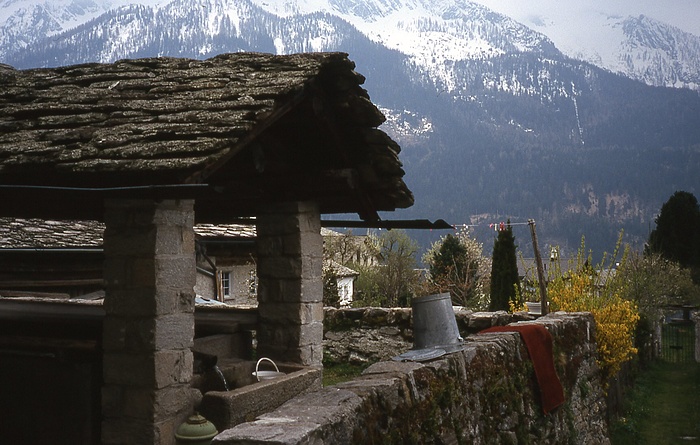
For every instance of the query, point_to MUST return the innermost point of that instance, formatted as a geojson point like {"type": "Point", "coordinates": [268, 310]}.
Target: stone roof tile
{"type": "Point", "coordinates": [249, 126]}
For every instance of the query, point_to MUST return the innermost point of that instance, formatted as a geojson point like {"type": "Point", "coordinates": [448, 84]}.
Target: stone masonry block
{"type": "Point", "coordinates": [292, 313]}
{"type": "Point", "coordinates": [129, 334]}
{"type": "Point", "coordinates": [175, 212]}
{"type": "Point", "coordinates": [112, 400]}
{"type": "Point", "coordinates": [277, 225]}
{"type": "Point", "coordinates": [129, 302]}
{"type": "Point", "coordinates": [171, 300]}
{"type": "Point", "coordinates": [291, 336]}
{"type": "Point", "coordinates": [142, 272]}
{"type": "Point", "coordinates": [130, 241]}
{"type": "Point", "coordinates": [311, 334]}
{"type": "Point", "coordinates": [312, 268]}
{"type": "Point", "coordinates": [115, 271]}
{"type": "Point", "coordinates": [311, 243]}
{"type": "Point", "coordinates": [165, 431]}
{"type": "Point", "coordinates": [312, 291]}
{"type": "Point", "coordinates": [310, 355]}
{"type": "Point", "coordinates": [173, 367]}
{"type": "Point", "coordinates": [268, 245]}
{"type": "Point", "coordinates": [128, 369]}
{"type": "Point", "coordinates": [174, 400]}
{"type": "Point", "coordinates": [114, 331]}
{"type": "Point", "coordinates": [146, 334]}
{"type": "Point", "coordinates": [176, 271]}
{"type": "Point", "coordinates": [289, 291]}
{"type": "Point", "coordinates": [169, 241]}
{"type": "Point", "coordinates": [291, 245]}
{"type": "Point", "coordinates": [280, 267]}
{"type": "Point", "coordinates": [174, 331]}
{"type": "Point", "coordinates": [127, 430]}
{"type": "Point", "coordinates": [280, 290]}
{"type": "Point", "coordinates": [139, 403]}
{"type": "Point", "coordinates": [187, 247]}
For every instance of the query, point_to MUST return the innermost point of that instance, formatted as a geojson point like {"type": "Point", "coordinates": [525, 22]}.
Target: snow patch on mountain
{"type": "Point", "coordinates": [429, 32]}
{"type": "Point", "coordinates": [24, 22]}
{"type": "Point", "coordinates": [406, 127]}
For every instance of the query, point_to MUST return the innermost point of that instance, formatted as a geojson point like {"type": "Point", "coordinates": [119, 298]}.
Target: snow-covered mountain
{"type": "Point", "coordinates": [23, 23]}
{"type": "Point", "coordinates": [615, 35]}
{"type": "Point", "coordinates": [619, 36]}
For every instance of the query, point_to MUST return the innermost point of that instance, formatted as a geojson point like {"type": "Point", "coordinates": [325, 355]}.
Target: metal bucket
{"type": "Point", "coordinates": [534, 307]}
{"type": "Point", "coordinates": [434, 323]}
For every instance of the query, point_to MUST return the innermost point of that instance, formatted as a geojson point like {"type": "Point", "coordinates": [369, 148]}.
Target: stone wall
{"type": "Point", "coordinates": [484, 394]}
{"type": "Point", "coordinates": [368, 335]}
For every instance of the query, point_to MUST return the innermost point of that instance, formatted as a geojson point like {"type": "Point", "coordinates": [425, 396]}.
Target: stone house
{"type": "Point", "coordinates": [150, 147]}
{"type": "Point", "coordinates": [344, 280]}
{"type": "Point", "coordinates": [63, 259]}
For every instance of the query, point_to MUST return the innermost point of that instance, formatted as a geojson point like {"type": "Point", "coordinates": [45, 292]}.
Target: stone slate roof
{"type": "Point", "coordinates": [43, 234]}
{"type": "Point", "coordinates": [339, 270]}
{"type": "Point", "coordinates": [19, 233]}
{"type": "Point", "coordinates": [231, 131]}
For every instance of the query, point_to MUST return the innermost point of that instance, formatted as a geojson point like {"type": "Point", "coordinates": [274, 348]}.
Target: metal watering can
{"type": "Point", "coordinates": [267, 375]}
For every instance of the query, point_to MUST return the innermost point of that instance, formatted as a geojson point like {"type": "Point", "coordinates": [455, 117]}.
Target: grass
{"type": "Point", "coordinates": [340, 372]}
{"type": "Point", "coordinates": [662, 408]}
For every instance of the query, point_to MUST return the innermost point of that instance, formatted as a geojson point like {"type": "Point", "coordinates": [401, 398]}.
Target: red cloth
{"type": "Point", "coordinates": [538, 341]}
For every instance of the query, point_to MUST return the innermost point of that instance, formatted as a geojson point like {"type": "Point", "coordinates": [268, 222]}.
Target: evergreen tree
{"type": "Point", "coordinates": [450, 257]}
{"type": "Point", "coordinates": [677, 233]}
{"type": "Point", "coordinates": [505, 283]}
{"type": "Point", "coordinates": [331, 297]}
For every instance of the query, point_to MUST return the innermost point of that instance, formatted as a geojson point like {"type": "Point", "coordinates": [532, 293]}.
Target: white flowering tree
{"type": "Point", "coordinates": [456, 264]}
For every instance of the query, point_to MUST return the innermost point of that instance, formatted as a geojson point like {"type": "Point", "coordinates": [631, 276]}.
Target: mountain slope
{"type": "Point", "coordinates": [519, 131]}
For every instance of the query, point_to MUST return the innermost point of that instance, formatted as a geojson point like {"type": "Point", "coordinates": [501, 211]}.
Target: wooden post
{"type": "Point", "coordinates": [540, 268]}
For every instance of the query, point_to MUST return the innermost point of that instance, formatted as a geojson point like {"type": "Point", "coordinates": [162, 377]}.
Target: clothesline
{"type": "Point", "coordinates": [496, 226]}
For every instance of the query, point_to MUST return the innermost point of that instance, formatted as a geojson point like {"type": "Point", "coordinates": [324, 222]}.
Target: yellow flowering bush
{"type": "Point", "coordinates": [596, 290]}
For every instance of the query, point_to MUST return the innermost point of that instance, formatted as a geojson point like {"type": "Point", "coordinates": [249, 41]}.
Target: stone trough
{"type": "Point", "coordinates": [231, 394]}
{"type": "Point", "coordinates": [248, 398]}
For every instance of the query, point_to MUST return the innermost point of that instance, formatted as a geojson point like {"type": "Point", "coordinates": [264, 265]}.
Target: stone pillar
{"type": "Point", "coordinates": [696, 318]}
{"type": "Point", "coordinates": [150, 273]}
{"type": "Point", "coordinates": [290, 283]}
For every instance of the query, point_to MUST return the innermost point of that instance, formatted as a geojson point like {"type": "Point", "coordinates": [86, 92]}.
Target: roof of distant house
{"type": "Point", "coordinates": [18, 233]}
{"type": "Point", "coordinates": [33, 233]}
{"type": "Point", "coordinates": [339, 270]}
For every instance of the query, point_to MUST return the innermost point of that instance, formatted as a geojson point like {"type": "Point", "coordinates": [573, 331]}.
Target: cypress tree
{"type": "Point", "coordinates": [504, 270]}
